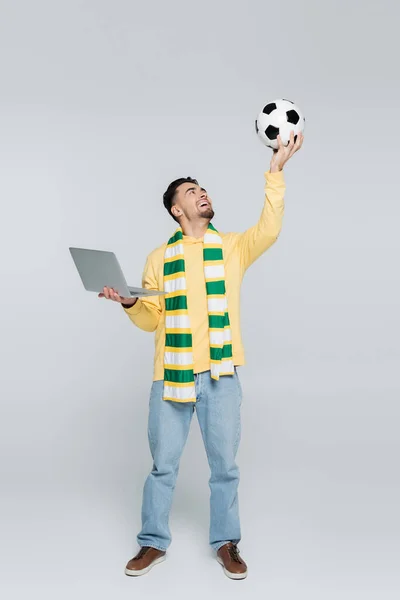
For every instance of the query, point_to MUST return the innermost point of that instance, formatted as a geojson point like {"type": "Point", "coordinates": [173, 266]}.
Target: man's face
{"type": "Point", "coordinates": [192, 202]}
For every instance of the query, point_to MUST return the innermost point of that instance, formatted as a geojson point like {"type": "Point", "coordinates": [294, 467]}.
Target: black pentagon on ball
{"type": "Point", "coordinates": [256, 124]}
{"type": "Point", "coordinates": [269, 108]}
{"type": "Point", "coordinates": [292, 117]}
{"type": "Point", "coordinates": [272, 132]}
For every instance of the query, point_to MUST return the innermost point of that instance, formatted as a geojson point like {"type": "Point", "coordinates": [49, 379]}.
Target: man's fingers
{"type": "Point", "coordinates": [293, 149]}
{"type": "Point", "coordinates": [116, 296]}
{"type": "Point", "coordinates": [111, 294]}
{"type": "Point", "coordinates": [288, 148]}
{"type": "Point", "coordinates": [298, 143]}
{"type": "Point", "coordinates": [286, 152]}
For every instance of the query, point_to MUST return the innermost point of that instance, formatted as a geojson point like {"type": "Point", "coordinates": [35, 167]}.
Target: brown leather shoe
{"type": "Point", "coordinates": [145, 559]}
{"type": "Point", "coordinates": [234, 566]}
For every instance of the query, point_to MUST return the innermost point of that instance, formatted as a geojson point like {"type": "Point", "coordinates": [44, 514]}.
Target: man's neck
{"type": "Point", "coordinates": [196, 230]}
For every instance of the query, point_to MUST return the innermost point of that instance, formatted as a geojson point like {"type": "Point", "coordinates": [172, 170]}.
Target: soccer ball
{"type": "Point", "coordinates": [279, 117]}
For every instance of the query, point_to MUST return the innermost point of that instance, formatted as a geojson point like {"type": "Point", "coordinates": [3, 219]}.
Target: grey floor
{"type": "Point", "coordinates": [313, 525]}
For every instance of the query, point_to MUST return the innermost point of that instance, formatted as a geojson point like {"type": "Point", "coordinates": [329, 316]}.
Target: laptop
{"type": "Point", "coordinates": [100, 268]}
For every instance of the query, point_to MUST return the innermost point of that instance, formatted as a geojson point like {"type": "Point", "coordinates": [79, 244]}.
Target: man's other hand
{"type": "Point", "coordinates": [112, 294]}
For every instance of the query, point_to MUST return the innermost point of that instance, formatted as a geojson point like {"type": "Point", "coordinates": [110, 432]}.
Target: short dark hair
{"type": "Point", "coordinates": [168, 197]}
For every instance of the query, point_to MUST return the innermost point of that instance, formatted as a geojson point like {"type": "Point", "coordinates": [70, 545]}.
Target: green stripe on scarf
{"type": "Point", "coordinates": [176, 303]}
{"type": "Point", "coordinates": [213, 254]}
{"type": "Point", "coordinates": [218, 353]}
{"type": "Point", "coordinates": [215, 288]}
{"type": "Point", "coordinates": [176, 376]}
{"type": "Point", "coordinates": [177, 266]}
{"type": "Point", "coordinates": [178, 340]}
{"type": "Point", "coordinates": [216, 321]}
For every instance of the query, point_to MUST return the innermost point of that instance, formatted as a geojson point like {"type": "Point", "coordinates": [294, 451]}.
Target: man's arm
{"type": "Point", "coordinates": [256, 240]}
{"type": "Point", "coordinates": [146, 312]}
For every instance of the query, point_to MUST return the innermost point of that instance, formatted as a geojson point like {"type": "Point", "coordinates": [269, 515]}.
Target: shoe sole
{"type": "Point", "coordinates": [133, 573]}
{"type": "Point", "coordinates": [229, 574]}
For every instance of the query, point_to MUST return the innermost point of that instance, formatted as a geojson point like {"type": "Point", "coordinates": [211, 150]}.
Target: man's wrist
{"type": "Point", "coordinates": [131, 304]}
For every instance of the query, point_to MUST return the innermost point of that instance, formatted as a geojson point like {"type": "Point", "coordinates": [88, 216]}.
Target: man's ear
{"type": "Point", "coordinates": [176, 211]}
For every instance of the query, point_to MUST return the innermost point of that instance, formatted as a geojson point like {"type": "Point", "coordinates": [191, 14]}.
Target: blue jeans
{"type": "Point", "coordinates": [218, 411]}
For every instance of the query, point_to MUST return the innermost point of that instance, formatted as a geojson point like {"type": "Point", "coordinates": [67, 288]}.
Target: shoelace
{"type": "Point", "coordinates": [234, 553]}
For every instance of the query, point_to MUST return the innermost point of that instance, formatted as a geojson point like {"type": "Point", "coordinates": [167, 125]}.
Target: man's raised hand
{"type": "Point", "coordinates": [282, 155]}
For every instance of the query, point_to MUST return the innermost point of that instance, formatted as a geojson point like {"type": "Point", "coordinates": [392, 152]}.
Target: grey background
{"type": "Point", "coordinates": [102, 105]}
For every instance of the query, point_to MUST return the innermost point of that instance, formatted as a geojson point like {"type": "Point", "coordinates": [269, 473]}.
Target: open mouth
{"type": "Point", "coordinates": [204, 203]}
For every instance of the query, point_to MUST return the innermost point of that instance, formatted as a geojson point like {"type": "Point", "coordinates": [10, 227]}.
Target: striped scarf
{"type": "Point", "coordinates": [178, 356]}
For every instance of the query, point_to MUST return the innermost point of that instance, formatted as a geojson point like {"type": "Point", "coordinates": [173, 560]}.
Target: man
{"type": "Point", "coordinates": [198, 348]}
